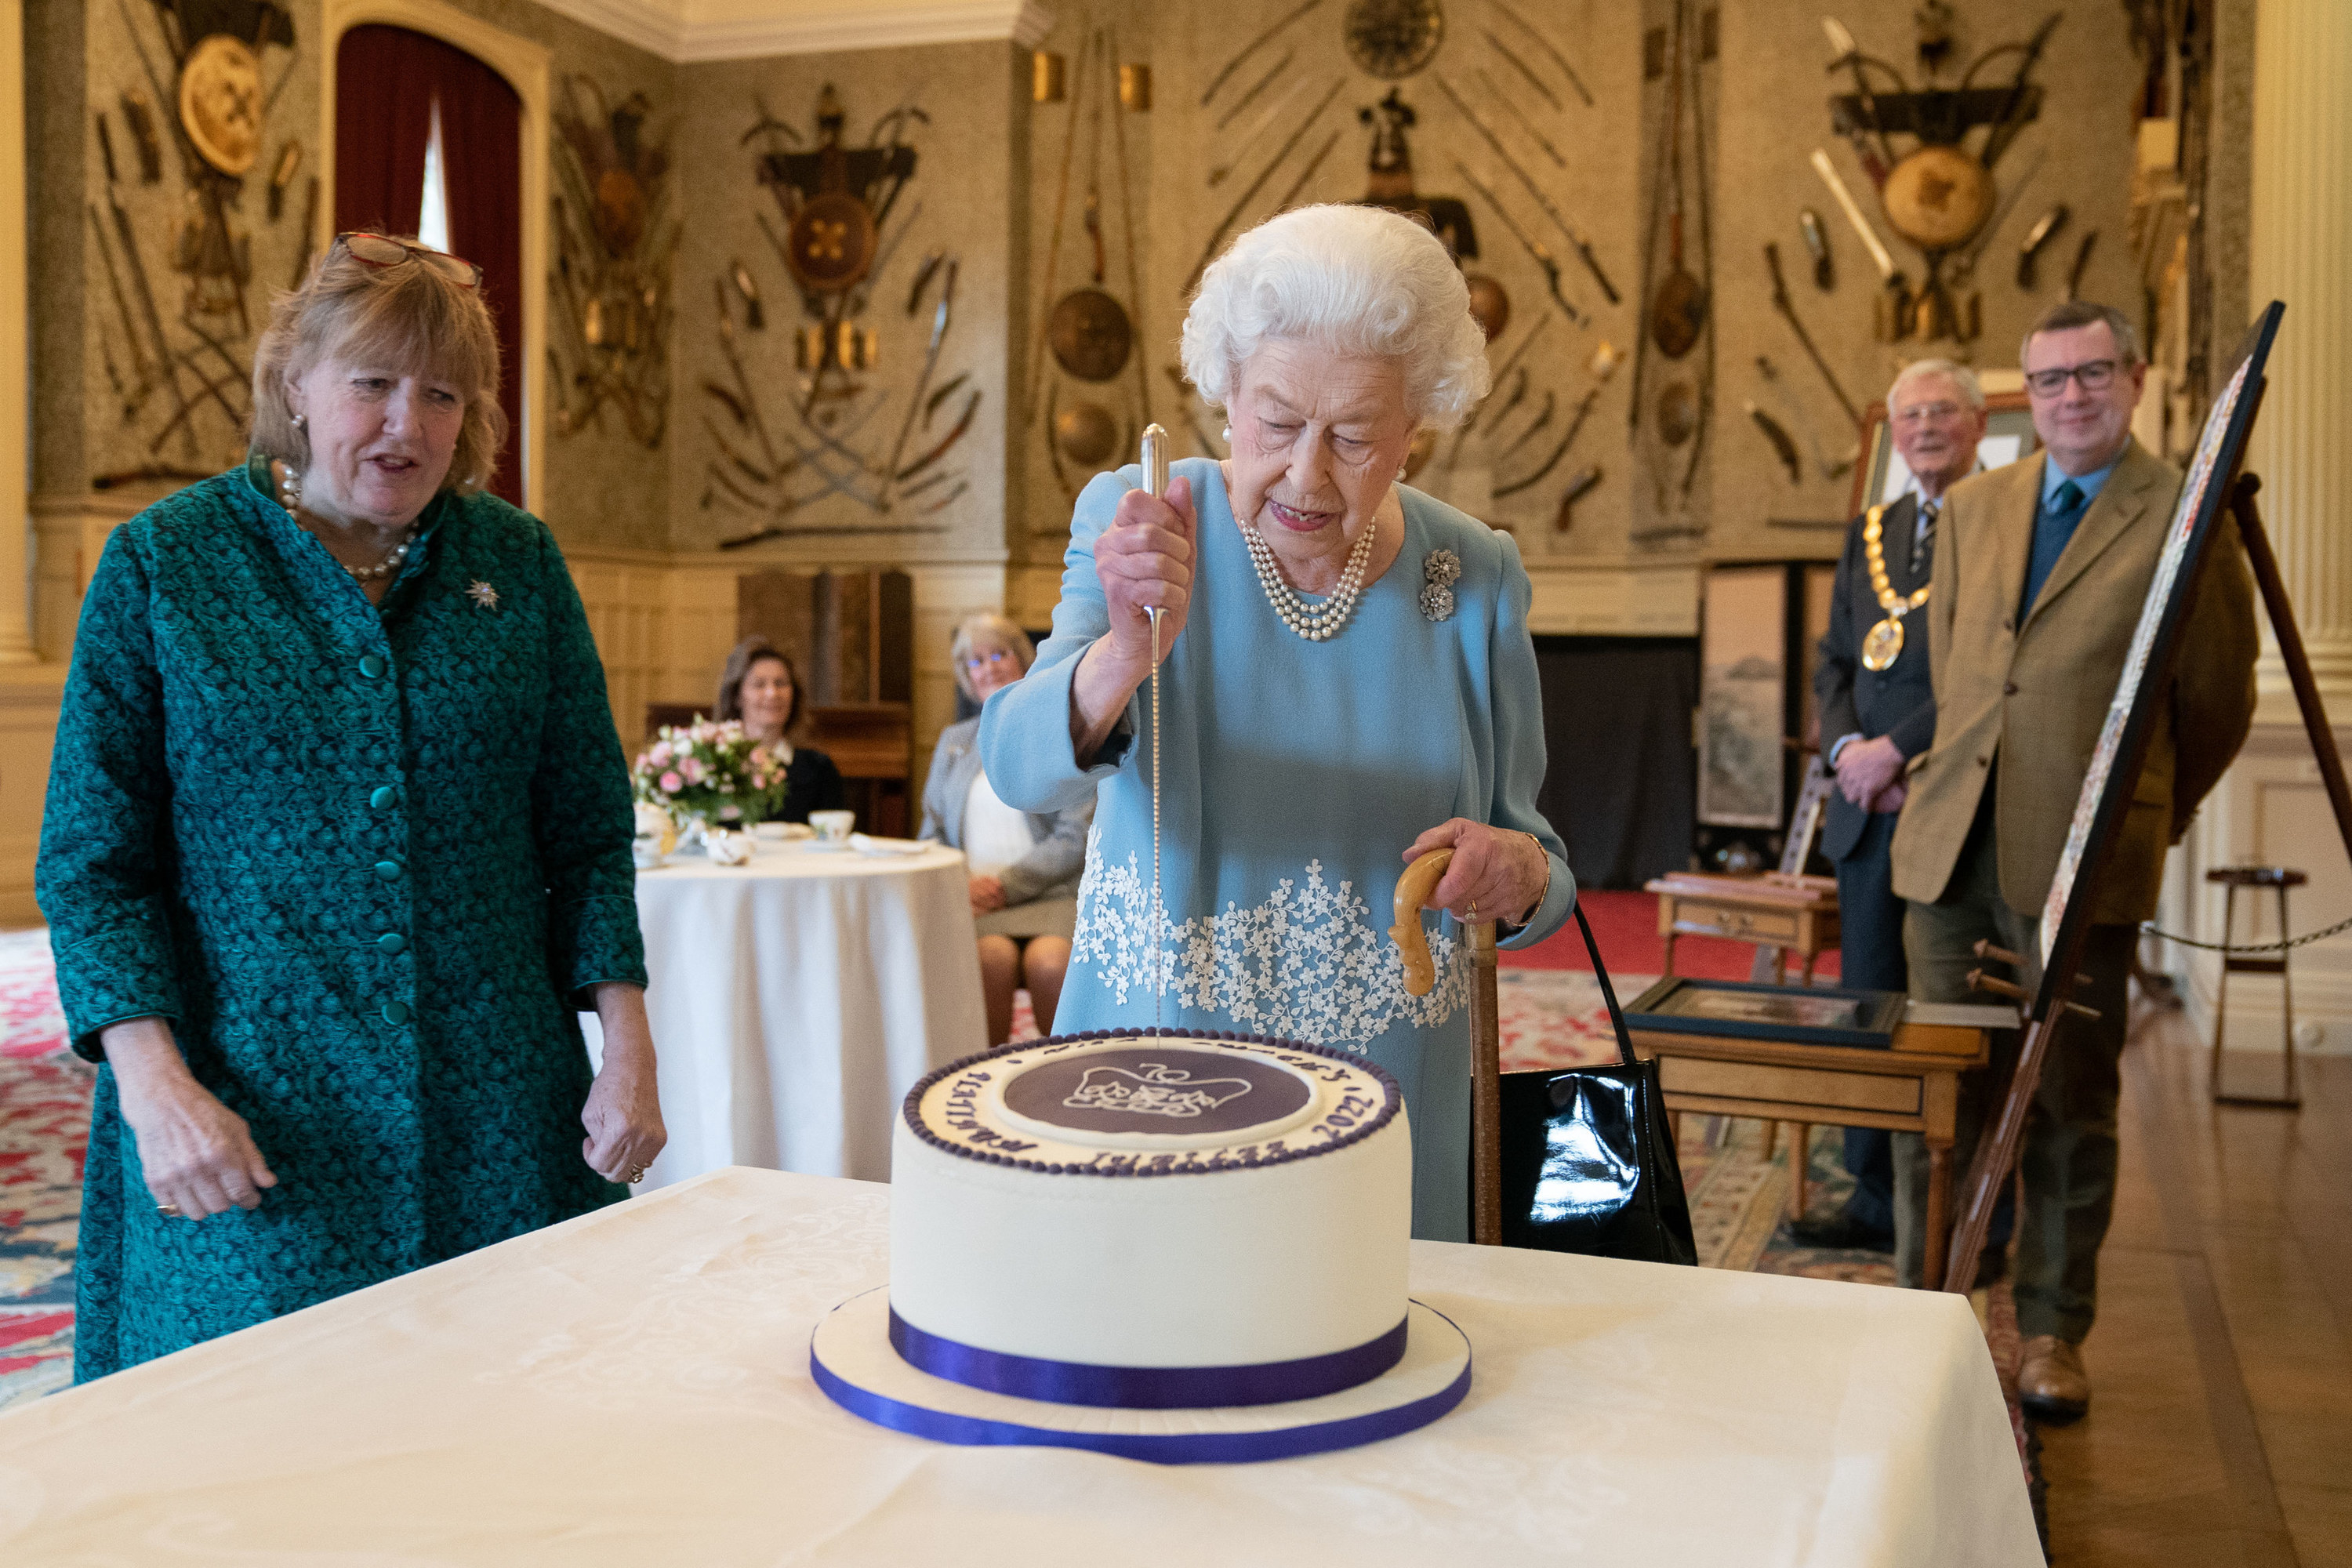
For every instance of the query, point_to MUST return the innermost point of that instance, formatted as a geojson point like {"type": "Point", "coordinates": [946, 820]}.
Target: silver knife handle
{"type": "Point", "coordinates": [1155, 459]}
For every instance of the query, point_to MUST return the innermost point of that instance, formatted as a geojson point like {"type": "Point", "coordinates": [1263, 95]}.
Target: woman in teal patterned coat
{"type": "Point", "coordinates": [338, 838]}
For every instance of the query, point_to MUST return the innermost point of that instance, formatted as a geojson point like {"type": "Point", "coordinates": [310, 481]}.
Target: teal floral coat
{"type": "Point", "coordinates": [366, 861]}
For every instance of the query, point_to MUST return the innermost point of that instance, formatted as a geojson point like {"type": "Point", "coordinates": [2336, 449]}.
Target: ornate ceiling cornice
{"type": "Point", "coordinates": [688, 30]}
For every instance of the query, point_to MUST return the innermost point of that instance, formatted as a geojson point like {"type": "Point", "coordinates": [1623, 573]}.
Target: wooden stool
{"type": "Point", "coordinates": [2251, 878]}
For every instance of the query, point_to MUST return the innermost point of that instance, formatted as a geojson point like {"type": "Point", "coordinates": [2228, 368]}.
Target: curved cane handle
{"type": "Point", "coordinates": [1413, 890]}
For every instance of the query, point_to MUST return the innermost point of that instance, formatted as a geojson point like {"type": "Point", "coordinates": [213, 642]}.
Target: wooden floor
{"type": "Point", "coordinates": [2221, 1424]}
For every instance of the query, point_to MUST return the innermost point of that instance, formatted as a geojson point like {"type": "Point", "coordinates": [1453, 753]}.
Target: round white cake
{"type": "Point", "coordinates": [1152, 1218]}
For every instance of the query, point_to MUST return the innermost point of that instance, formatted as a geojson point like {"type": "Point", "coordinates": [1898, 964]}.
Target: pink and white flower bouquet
{"type": "Point", "coordinates": [714, 773]}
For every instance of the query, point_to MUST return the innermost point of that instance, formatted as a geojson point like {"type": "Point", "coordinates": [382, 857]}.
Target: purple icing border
{"type": "Point", "coordinates": [1393, 1101]}
{"type": "Point", "coordinates": [1147, 1387]}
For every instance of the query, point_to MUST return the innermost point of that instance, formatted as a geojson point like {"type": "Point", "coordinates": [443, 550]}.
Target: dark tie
{"type": "Point", "coordinates": [2053, 525]}
{"type": "Point", "coordinates": [1923, 541]}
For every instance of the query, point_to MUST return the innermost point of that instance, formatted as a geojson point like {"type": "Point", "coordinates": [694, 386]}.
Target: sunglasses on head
{"type": "Point", "coordinates": [382, 251]}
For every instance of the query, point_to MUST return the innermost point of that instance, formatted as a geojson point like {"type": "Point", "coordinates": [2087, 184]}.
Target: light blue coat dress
{"type": "Point", "coordinates": [1293, 778]}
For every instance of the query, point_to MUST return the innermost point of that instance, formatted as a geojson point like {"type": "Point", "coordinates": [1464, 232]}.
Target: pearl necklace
{"type": "Point", "coordinates": [289, 496]}
{"type": "Point", "coordinates": [1316, 623]}
{"type": "Point", "coordinates": [390, 564]}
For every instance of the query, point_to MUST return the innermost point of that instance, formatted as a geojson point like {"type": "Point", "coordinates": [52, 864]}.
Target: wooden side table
{"type": "Point", "coordinates": [1780, 912]}
{"type": "Point", "coordinates": [1911, 1087]}
{"type": "Point", "coordinates": [1777, 910]}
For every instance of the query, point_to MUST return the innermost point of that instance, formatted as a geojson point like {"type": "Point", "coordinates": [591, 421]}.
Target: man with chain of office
{"type": "Point", "coordinates": [1878, 712]}
{"type": "Point", "coordinates": [2040, 572]}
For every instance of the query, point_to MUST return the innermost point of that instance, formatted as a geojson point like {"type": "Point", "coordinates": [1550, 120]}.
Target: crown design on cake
{"type": "Point", "coordinates": [1158, 1090]}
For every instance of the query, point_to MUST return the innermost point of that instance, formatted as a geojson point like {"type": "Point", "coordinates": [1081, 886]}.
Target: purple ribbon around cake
{"type": "Point", "coordinates": [1146, 1387]}
{"type": "Point", "coordinates": [1160, 1448]}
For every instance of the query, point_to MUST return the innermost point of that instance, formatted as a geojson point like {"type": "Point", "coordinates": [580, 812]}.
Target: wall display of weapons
{"type": "Point", "coordinates": [615, 231]}
{"type": "Point", "coordinates": [1088, 378]}
{"type": "Point", "coordinates": [787, 430]}
{"type": "Point", "coordinates": [197, 146]}
{"type": "Point", "coordinates": [1557, 146]}
{"type": "Point", "coordinates": [1497, 123]}
{"type": "Point", "coordinates": [1936, 166]}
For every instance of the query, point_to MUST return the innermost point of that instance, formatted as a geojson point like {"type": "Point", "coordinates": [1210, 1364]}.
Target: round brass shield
{"type": "Point", "coordinates": [1678, 413]}
{"type": "Point", "coordinates": [1937, 198]}
{"type": "Point", "coordinates": [1393, 39]}
{"type": "Point", "coordinates": [831, 243]}
{"type": "Point", "coordinates": [1490, 307]}
{"type": "Point", "coordinates": [220, 103]}
{"type": "Point", "coordinates": [1086, 432]}
{"type": "Point", "coordinates": [1089, 334]}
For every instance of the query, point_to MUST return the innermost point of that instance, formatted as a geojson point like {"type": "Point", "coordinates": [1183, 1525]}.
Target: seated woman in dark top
{"type": "Point", "coordinates": [761, 687]}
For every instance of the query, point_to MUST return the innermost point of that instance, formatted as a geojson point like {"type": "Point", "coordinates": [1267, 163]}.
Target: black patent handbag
{"type": "Point", "coordinates": [1588, 1156]}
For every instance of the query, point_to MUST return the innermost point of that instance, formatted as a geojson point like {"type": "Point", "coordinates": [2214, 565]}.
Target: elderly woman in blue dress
{"type": "Point", "coordinates": [1024, 866]}
{"type": "Point", "coordinates": [1348, 682]}
{"type": "Point", "coordinates": [336, 843]}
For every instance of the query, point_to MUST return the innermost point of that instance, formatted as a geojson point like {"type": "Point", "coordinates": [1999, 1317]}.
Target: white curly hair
{"type": "Point", "coordinates": [1353, 279]}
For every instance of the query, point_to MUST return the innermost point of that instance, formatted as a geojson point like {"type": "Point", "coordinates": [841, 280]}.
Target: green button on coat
{"type": "Point", "coordinates": [372, 665]}
{"type": "Point", "coordinates": [382, 796]}
{"type": "Point", "coordinates": [388, 869]}
{"type": "Point", "coordinates": [395, 1012]}
{"type": "Point", "coordinates": [392, 942]}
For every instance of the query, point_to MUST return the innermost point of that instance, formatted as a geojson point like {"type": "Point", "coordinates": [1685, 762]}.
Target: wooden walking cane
{"type": "Point", "coordinates": [1413, 890]}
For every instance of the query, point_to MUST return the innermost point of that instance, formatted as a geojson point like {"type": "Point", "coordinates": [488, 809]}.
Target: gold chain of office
{"type": "Point", "coordinates": [1883, 644]}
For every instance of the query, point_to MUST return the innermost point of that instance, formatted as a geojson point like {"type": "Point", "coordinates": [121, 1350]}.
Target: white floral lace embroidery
{"type": "Point", "coordinates": [1306, 964]}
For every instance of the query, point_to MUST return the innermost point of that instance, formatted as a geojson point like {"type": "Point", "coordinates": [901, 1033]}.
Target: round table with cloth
{"type": "Point", "coordinates": [795, 1000]}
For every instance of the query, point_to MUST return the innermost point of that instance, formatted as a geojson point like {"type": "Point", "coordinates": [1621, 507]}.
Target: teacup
{"type": "Point", "coordinates": [834, 826]}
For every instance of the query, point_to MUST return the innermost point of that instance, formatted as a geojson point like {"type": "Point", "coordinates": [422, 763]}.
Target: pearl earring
{"type": "Point", "coordinates": [290, 490]}
{"type": "Point", "coordinates": [1226, 435]}
{"type": "Point", "coordinates": [301, 421]}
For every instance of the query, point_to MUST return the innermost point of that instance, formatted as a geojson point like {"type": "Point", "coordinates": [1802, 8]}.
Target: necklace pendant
{"type": "Point", "coordinates": [1883, 645]}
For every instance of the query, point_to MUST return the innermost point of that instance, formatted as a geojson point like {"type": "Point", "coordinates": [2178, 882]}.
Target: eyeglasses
{"type": "Point", "coordinates": [1927, 414]}
{"type": "Point", "coordinates": [2096, 375]}
{"type": "Point", "coordinates": [382, 251]}
{"type": "Point", "coordinates": [980, 661]}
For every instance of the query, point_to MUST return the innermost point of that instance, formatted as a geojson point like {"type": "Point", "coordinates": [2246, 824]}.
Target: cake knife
{"type": "Point", "coordinates": [1155, 483]}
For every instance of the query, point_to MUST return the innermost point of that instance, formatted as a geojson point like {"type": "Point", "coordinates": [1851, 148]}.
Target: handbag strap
{"type": "Point", "coordinates": [1608, 992]}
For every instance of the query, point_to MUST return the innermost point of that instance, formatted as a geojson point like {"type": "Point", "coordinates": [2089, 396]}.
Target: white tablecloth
{"type": "Point", "coordinates": [795, 1000]}
{"type": "Point", "coordinates": [632, 1389]}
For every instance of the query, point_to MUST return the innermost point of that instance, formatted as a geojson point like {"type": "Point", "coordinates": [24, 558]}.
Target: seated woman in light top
{"type": "Point", "coordinates": [1024, 866]}
{"type": "Point", "coordinates": [1348, 682]}
{"type": "Point", "coordinates": [760, 687]}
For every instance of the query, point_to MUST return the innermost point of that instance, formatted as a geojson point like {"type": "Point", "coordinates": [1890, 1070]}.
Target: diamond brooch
{"type": "Point", "coordinates": [1439, 573]}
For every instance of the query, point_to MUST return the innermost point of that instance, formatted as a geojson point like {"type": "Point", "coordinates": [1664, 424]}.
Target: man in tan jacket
{"type": "Point", "coordinates": [2041, 568]}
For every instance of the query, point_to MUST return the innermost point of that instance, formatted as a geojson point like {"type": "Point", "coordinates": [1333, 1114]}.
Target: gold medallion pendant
{"type": "Point", "coordinates": [1883, 645]}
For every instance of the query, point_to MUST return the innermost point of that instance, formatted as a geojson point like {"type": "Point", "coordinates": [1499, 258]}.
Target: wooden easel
{"type": "Point", "coordinates": [1996, 1153]}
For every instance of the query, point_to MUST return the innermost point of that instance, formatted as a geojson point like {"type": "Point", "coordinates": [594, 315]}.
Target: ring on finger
{"type": "Point", "coordinates": [169, 1211]}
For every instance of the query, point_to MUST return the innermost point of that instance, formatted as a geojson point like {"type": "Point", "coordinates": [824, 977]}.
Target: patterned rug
{"type": "Point", "coordinates": [43, 1126]}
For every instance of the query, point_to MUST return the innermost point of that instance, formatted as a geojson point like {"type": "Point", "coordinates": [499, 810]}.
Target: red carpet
{"type": "Point", "coordinates": [1625, 924]}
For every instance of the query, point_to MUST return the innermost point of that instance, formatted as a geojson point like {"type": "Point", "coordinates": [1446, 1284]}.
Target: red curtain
{"type": "Point", "coordinates": [386, 80]}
